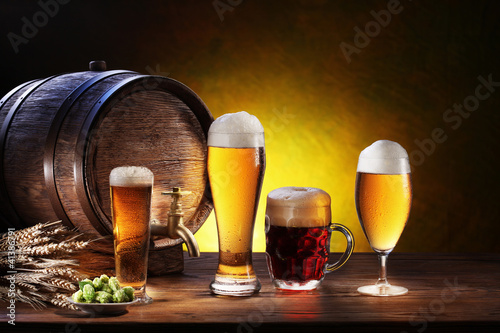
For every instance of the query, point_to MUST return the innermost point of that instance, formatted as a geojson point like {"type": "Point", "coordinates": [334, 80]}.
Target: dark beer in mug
{"type": "Point", "coordinates": [297, 254]}
{"type": "Point", "coordinates": [298, 229]}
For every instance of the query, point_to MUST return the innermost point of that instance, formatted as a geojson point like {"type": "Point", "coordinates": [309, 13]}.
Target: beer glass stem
{"type": "Point", "coordinates": [382, 279]}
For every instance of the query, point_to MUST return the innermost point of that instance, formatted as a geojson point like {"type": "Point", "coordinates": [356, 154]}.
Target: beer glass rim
{"type": "Point", "coordinates": [299, 197]}
{"type": "Point", "coordinates": [384, 165]}
{"type": "Point", "coordinates": [234, 132]}
{"type": "Point", "coordinates": [236, 139]}
{"type": "Point", "coordinates": [297, 206]}
{"type": "Point", "coordinates": [120, 177]}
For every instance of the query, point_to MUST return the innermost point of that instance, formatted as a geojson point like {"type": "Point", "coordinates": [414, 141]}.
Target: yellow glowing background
{"type": "Point", "coordinates": [301, 151]}
{"type": "Point", "coordinates": [281, 61]}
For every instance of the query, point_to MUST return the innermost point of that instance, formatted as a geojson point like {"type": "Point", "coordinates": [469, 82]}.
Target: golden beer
{"type": "Point", "coordinates": [236, 165]}
{"type": "Point", "coordinates": [383, 200]}
{"type": "Point", "coordinates": [131, 191]}
{"type": "Point", "coordinates": [383, 204]}
{"type": "Point", "coordinates": [236, 205]}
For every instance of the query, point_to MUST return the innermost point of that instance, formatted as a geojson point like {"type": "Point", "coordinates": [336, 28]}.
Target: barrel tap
{"type": "Point", "coordinates": [175, 227]}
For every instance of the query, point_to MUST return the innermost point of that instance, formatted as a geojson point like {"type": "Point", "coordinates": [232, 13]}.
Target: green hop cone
{"type": "Point", "coordinates": [114, 284]}
{"type": "Point", "coordinates": [88, 293]}
{"type": "Point", "coordinates": [97, 283]}
{"type": "Point", "coordinates": [107, 288]}
{"type": "Point", "coordinates": [78, 297]}
{"type": "Point", "coordinates": [119, 296]}
{"type": "Point", "coordinates": [104, 278]}
{"type": "Point", "coordinates": [129, 291]}
{"type": "Point", "coordinates": [104, 297]}
{"type": "Point", "coordinates": [84, 282]}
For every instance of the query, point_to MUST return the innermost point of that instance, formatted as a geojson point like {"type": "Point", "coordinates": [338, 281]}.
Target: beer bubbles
{"type": "Point", "coordinates": [383, 197]}
{"type": "Point", "coordinates": [131, 191]}
{"type": "Point", "coordinates": [384, 157]}
{"type": "Point", "coordinates": [236, 164]}
{"type": "Point", "coordinates": [236, 130]}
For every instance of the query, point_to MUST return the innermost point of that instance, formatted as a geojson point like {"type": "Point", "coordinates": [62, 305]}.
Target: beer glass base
{"type": "Point", "coordinates": [234, 287]}
{"type": "Point", "coordinates": [382, 290]}
{"type": "Point", "coordinates": [293, 285]}
{"type": "Point", "coordinates": [144, 299]}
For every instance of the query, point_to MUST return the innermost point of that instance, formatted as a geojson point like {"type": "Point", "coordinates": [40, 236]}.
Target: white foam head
{"type": "Point", "coordinates": [131, 176]}
{"type": "Point", "coordinates": [384, 157]}
{"type": "Point", "coordinates": [301, 207]}
{"type": "Point", "coordinates": [236, 130]}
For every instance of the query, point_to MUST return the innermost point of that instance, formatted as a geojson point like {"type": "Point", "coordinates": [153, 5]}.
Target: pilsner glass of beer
{"type": "Point", "coordinates": [298, 229]}
{"type": "Point", "coordinates": [131, 190]}
{"type": "Point", "coordinates": [383, 200]}
{"type": "Point", "coordinates": [236, 165]}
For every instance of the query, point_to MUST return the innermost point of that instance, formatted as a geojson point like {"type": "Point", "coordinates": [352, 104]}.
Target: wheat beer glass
{"type": "Point", "coordinates": [383, 200]}
{"type": "Point", "coordinates": [298, 229]}
{"type": "Point", "coordinates": [131, 189]}
{"type": "Point", "coordinates": [236, 164]}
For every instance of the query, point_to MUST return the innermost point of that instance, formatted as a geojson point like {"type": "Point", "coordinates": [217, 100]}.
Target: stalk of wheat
{"type": "Point", "coordinates": [49, 259]}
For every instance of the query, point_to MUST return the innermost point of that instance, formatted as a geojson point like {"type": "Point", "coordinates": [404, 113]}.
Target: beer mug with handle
{"type": "Point", "coordinates": [298, 229]}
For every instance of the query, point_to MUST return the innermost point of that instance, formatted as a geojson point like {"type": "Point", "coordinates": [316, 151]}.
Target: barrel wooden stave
{"type": "Point", "coordinates": [65, 155]}
{"type": "Point", "coordinates": [24, 149]}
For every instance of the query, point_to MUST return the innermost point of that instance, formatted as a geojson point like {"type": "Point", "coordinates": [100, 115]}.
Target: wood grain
{"type": "Point", "coordinates": [448, 293]}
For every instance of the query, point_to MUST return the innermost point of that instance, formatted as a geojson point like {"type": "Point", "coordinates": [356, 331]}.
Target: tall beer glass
{"type": "Point", "coordinates": [131, 189]}
{"type": "Point", "coordinates": [236, 165]}
{"type": "Point", "coordinates": [383, 200]}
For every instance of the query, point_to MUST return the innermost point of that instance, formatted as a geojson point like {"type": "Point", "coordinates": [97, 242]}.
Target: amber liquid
{"type": "Point", "coordinates": [383, 204]}
{"type": "Point", "coordinates": [236, 176]}
{"type": "Point", "coordinates": [131, 207]}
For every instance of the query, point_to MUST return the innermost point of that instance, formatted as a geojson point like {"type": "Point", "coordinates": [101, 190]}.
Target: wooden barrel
{"type": "Point", "coordinates": [61, 136]}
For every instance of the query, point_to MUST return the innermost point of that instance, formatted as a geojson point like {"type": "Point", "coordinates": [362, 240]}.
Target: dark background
{"type": "Point", "coordinates": [263, 56]}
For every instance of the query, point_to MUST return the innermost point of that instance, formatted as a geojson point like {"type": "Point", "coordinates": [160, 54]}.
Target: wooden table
{"type": "Point", "coordinates": [448, 293]}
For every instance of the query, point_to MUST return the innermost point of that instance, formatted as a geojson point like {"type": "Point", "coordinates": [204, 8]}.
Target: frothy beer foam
{"type": "Point", "coordinates": [236, 130]}
{"type": "Point", "coordinates": [384, 157]}
{"type": "Point", "coordinates": [300, 207]}
{"type": "Point", "coordinates": [131, 176]}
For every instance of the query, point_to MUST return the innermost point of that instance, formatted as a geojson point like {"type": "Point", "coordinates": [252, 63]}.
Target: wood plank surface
{"type": "Point", "coordinates": [448, 293]}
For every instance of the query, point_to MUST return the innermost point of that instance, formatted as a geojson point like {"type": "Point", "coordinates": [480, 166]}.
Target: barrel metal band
{"type": "Point", "coordinates": [80, 153]}
{"type": "Point", "coordinates": [3, 138]}
{"type": "Point", "coordinates": [53, 135]}
{"type": "Point", "coordinates": [4, 100]}
{"type": "Point", "coordinates": [15, 90]}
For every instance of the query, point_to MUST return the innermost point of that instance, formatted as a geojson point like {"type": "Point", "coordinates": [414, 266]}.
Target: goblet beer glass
{"type": "Point", "coordinates": [236, 165]}
{"type": "Point", "coordinates": [383, 200]}
{"type": "Point", "coordinates": [298, 229]}
{"type": "Point", "coordinates": [131, 190]}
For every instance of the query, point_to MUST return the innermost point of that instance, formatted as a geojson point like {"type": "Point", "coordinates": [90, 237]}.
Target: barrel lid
{"type": "Point", "coordinates": [159, 123]}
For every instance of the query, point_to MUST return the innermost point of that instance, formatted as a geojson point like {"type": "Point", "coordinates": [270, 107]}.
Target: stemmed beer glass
{"type": "Point", "coordinates": [383, 200]}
